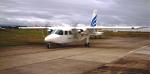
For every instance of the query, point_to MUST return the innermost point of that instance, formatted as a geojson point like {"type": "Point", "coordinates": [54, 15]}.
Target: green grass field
{"type": "Point", "coordinates": [127, 34]}
{"type": "Point", "coordinates": [15, 37]}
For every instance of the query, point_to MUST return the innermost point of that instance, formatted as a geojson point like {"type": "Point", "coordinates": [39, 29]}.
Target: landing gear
{"type": "Point", "coordinates": [49, 45]}
{"type": "Point", "coordinates": [87, 44]}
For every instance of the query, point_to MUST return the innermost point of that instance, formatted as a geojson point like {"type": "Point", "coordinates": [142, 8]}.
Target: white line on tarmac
{"type": "Point", "coordinates": [133, 51]}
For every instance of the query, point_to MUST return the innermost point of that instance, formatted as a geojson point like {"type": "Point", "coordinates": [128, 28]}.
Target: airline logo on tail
{"type": "Point", "coordinates": [94, 19]}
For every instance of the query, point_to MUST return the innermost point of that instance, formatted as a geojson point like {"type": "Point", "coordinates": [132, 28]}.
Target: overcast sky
{"type": "Point", "coordinates": [131, 12]}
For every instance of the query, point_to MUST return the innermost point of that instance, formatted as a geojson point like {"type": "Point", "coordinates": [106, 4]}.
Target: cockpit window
{"type": "Point", "coordinates": [53, 32]}
{"type": "Point", "coordinates": [50, 31]}
{"type": "Point", "coordinates": [59, 32]}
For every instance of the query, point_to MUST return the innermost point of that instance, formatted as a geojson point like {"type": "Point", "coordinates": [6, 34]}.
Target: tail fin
{"type": "Point", "coordinates": [94, 19]}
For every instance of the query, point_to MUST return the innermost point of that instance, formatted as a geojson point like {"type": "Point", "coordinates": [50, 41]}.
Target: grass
{"type": "Point", "coordinates": [127, 34]}
{"type": "Point", "coordinates": [15, 37]}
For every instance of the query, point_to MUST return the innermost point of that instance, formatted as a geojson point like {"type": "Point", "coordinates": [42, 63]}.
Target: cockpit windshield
{"type": "Point", "coordinates": [50, 31]}
{"type": "Point", "coordinates": [53, 32]}
{"type": "Point", "coordinates": [59, 32]}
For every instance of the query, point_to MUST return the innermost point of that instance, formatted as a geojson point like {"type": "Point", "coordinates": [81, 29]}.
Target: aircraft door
{"type": "Point", "coordinates": [67, 37]}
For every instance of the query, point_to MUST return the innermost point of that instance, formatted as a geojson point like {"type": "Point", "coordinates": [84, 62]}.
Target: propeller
{"type": "Point", "coordinates": [43, 30]}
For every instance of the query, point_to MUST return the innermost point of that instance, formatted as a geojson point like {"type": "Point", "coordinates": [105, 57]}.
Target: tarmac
{"type": "Point", "coordinates": [135, 62]}
{"type": "Point", "coordinates": [76, 59]}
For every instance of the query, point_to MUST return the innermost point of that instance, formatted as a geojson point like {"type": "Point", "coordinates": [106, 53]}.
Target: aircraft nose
{"type": "Point", "coordinates": [47, 39]}
{"type": "Point", "coordinates": [50, 38]}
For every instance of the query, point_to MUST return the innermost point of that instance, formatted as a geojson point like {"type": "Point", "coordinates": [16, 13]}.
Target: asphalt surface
{"type": "Point", "coordinates": [135, 62]}
{"type": "Point", "coordinates": [75, 59]}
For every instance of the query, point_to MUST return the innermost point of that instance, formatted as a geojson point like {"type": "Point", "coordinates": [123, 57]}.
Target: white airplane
{"type": "Point", "coordinates": [67, 35]}
{"type": "Point", "coordinates": [64, 35]}
{"type": "Point", "coordinates": [72, 34]}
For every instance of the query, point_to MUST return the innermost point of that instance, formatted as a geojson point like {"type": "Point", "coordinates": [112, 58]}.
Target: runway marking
{"type": "Point", "coordinates": [131, 52]}
{"type": "Point", "coordinates": [138, 49]}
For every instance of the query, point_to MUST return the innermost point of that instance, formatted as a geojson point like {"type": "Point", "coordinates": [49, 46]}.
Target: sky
{"type": "Point", "coordinates": [110, 12]}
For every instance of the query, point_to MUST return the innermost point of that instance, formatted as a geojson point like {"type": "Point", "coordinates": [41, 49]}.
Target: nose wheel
{"type": "Point", "coordinates": [49, 45]}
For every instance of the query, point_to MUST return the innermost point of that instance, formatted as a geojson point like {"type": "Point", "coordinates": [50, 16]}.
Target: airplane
{"type": "Point", "coordinates": [64, 35]}
{"type": "Point", "coordinates": [67, 35]}
{"type": "Point", "coordinates": [72, 34]}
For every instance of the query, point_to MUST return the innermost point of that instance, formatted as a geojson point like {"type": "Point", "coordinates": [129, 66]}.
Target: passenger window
{"type": "Point", "coordinates": [59, 32]}
{"type": "Point", "coordinates": [70, 33]}
{"type": "Point", "coordinates": [66, 32]}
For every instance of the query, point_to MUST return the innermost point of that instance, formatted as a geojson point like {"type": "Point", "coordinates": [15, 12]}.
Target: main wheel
{"type": "Point", "coordinates": [87, 44]}
{"type": "Point", "coordinates": [49, 45]}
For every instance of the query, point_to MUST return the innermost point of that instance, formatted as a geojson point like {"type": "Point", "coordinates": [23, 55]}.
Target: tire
{"type": "Point", "coordinates": [49, 45]}
{"type": "Point", "coordinates": [87, 44]}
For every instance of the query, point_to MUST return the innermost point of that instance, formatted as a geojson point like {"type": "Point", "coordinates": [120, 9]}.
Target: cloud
{"type": "Point", "coordinates": [135, 12]}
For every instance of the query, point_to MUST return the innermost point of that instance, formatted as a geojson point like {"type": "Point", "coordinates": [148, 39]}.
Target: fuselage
{"type": "Point", "coordinates": [62, 36]}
